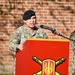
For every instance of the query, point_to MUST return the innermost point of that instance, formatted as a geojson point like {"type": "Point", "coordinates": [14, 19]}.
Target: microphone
{"type": "Point", "coordinates": [54, 32]}
{"type": "Point", "coordinates": [48, 28]}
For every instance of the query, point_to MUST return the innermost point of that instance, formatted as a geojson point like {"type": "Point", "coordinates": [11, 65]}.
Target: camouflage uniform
{"type": "Point", "coordinates": [19, 36]}
{"type": "Point", "coordinates": [73, 48]}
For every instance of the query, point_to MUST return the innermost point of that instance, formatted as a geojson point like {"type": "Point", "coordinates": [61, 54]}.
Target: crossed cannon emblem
{"type": "Point", "coordinates": [48, 66]}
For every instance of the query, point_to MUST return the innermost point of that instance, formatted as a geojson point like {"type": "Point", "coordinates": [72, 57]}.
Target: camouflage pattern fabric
{"type": "Point", "coordinates": [20, 34]}
{"type": "Point", "coordinates": [72, 36]}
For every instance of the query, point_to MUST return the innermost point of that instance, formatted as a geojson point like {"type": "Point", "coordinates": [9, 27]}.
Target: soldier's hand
{"type": "Point", "coordinates": [20, 47]}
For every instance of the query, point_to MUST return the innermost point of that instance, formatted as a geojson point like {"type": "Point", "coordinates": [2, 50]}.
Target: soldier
{"type": "Point", "coordinates": [28, 30]}
{"type": "Point", "coordinates": [72, 36]}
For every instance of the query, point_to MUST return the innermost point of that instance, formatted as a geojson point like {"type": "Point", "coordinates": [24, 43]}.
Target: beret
{"type": "Point", "coordinates": [28, 14]}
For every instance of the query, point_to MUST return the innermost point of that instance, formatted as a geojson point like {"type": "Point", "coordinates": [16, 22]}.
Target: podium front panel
{"type": "Point", "coordinates": [32, 59]}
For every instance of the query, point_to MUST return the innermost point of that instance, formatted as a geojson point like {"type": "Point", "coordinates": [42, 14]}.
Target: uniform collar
{"type": "Point", "coordinates": [27, 31]}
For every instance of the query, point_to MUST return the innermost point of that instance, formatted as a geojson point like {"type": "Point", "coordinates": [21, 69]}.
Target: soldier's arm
{"type": "Point", "coordinates": [14, 41]}
{"type": "Point", "coordinates": [42, 34]}
{"type": "Point", "coordinates": [45, 35]}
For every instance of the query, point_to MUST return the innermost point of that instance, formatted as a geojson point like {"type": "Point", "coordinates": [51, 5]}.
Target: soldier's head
{"type": "Point", "coordinates": [29, 18]}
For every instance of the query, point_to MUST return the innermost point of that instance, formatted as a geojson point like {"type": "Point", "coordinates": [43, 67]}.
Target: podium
{"type": "Point", "coordinates": [43, 57]}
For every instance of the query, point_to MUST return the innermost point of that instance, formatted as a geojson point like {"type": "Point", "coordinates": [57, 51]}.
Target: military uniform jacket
{"type": "Point", "coordinates": [72, 36]}
{"type": "Point", "coordinates": [20, 34]}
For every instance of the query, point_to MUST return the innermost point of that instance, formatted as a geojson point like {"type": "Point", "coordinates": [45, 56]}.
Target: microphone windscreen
{"type": "Point", "coordinates": [42, 26]}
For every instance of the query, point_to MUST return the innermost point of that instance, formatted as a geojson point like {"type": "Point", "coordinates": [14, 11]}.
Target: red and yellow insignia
{"type": "Point", "coordinates": [48, 66]}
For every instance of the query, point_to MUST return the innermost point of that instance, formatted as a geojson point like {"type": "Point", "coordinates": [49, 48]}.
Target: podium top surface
{"type": "Point", "coordinates": [41, 39]}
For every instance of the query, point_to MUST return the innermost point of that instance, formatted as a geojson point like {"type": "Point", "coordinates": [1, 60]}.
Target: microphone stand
{"type": "Point", "coordinates": [54, 32]}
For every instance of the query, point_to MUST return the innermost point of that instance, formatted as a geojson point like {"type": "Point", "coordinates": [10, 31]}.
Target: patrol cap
{"type": "Point", "coordinates": [28, 14]}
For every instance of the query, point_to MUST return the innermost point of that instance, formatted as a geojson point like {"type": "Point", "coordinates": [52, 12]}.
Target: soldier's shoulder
{"type": "Point", "coordinates": [41, 31]}
{"type": "Point", "coordinates": [18, 30]}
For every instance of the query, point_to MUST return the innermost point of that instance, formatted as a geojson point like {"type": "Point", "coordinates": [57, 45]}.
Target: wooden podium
{"type": "Point", "coordinates": [43, 57]}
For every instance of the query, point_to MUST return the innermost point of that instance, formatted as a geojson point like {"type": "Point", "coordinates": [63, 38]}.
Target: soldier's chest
{"type": "Point", "coordinates": [24, 36]}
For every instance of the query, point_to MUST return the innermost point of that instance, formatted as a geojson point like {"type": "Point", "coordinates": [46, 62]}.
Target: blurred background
{"type": "Point", "coordinates": [58, 14]}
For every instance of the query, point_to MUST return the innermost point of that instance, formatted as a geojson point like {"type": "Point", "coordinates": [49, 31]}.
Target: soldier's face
{"type": "Point", "coordinates": [31, 22]}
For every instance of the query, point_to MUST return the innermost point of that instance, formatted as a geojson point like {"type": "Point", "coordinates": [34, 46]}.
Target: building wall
{"type": "Point", "coordinates": [58, 14]}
